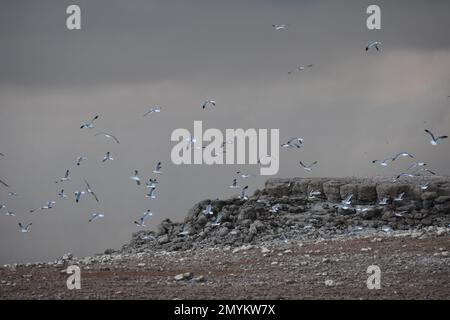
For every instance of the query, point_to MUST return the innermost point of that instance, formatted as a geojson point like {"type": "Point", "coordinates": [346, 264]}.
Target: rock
{"type": "Point", "coordinates": [163, 239]}
{"type": "Point", "coordinates": [223, 231]}
{"type": "Point", "coordinates": [442, 199]}
{"type": "Point", "coordinates": [332, 190]}
{"type": "Point", "coordinates": [248, 213]}
{"type": "Point", "coordinates": [429, 196]}
{"type": "Point", "coordinates": [329, 283]}
{"type": "Point", "coordinates": [264, 250]}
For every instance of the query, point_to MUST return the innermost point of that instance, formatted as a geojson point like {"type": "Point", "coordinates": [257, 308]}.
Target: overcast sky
{"type": "Point", "coordinates": [352, 107]}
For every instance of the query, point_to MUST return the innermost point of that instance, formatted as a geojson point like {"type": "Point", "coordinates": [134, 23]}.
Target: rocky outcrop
{"type": "Point", "coordinates": [307, 208]}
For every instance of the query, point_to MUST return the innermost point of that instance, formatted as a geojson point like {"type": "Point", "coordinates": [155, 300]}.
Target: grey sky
{"type": "Point", "coordinates": [351, 107]}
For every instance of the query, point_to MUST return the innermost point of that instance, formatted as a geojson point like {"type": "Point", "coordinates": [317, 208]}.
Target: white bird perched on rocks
{"type": "Point", "coordinates": [141, 222]}
{"type": "Point", "coordinates": [78, 195]}
{"type": "Point", "coordinates": [399, 197]}
{"type": "Point", "coordinates": [308, 167]}
{"type": "Point", "coordinates": [434, 141]}
{"type": "Point", "coordinates": [61, 194]}
{"type": "Point", "coordinates": [293, 143]}
{"type": "Point", "coordinates": [207, 102]}
{"type": "Point", "coordinates": [136, 178]}
{"type": "Point", "coordinates": [278, 27]}
{"type": "Point", "coordinates": [275, 208]}
{"type": "Point", "coordinates": [96, 216]}
{"type": "Point", "coordinates": [245, 175]}
{"type": "Point", "coordinates": [151, 194]}
{"type": "Point", "coordinates": [89, 125]}
{"type": "Point", "coordinates": [89, 190]}
{"type": "Point", "coordinates": [152, 110]}
{"type": "Point", "coordinates": [65, 178]}
{"type": "Point", "coordinates": [25, 229]}
{"type": "Point", "coordinates": [208, 210]}
{"type": "Point", "coordinates": [235, 185]}
{"type": "Point", "coordinates": [80, 159]}
{"type": "Point", "coordinates": [384, 201]}
{"type": "Point", "coordinates": [313, 194]}
{"type": "Point", "coordinates": [242, 196]}
{"type": "Point", "coordinates": [373, 44]}
{"type": "Point", "coordinates": [424, 186]}
{"type": "Point", "coordinates": [107, 135]}
{"type": "Point", "coordinates": [158, 168]}
{"type": "Point", "coordinates": [107, 157]}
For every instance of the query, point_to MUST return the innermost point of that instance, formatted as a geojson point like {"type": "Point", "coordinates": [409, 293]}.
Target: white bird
{"type": "Point", "coordinates": [424, 170]}
{"type": "Point", "coordinates": [402, 154]}
{"type": "Point", "coordinates": [25, 229]}
{"type": "Point", "coordinates": [13, 194]}
{"type": "Point", "coordinates": [235, 185]}
{"type": "Point", "coordinates": [218, 220]}
{"type": "Point", "coordinates": [301, 68]}
{"type": "Point", "coordinates": [80, 159]}
{"type": "Point", "coordinates": [293, 143]}
{"type": "Point", "coordinates": [78, 195]}
{"type": "Point", "coordinates": [148, 237]}
{"type": "Point", "coordinates": [373, 44]}
{"type": "Point", "coordinates": [208, 210]}
{"type": "Point", "coordinates": [308, 167]}
{"type": "Point", "coordinates": [245, 175]}
{"type": "Point", "coordinates": [383, 163]}
{"type": "Point", "coordinates": [89, 125]}
{"type": "Point", "coordinates": [383, 201]}
{"type": "Point", "coordinates": [275, 208]}
{"type": "Point", "coordinates": [108, 135]}
{"type": "Point", "coordinates": [206, 102]}
{"type": "Point", "coordinates": [96, 216]}
{"type": "Point", "coordinates": [313, 194]}
{"type": "Point", "coordinates": [280, 26]}
{"type": "Point", "coordinates": [107, 157]}
{"type": "Point", "coordinates": [386, 228]}
{"type": "Point", "coordinates": [434, 141]}
{"type": "Point", "coordinates": [152, 110]}
{"type": "Point", "coordinates": [49, 205]}
{"type": "Point", "coordinates": [405, 174]}
{"type": "Point", "coordinates": [242, 196]}
{"type": "Point", "coordinates": [158, 168]}
{"type": "Point", "coordinates": [151, 194]}
{"type": "Point", "coordinates": [152, 183]}
{"type": "Point", "coordinates": [10, 213]}
{"type": "Point", "coordinates": [62, 195]}
{"type": "Point", "coordinates": [141, 222]}
{"type": "Point", "coordinates": [416, 165]}
{"type": "Point", "coordinates": [136, 177]}
{"type": "Point", "coordinates": [362, 209]}
{"type": "Point", "coordinates": [399, 197]}
{"type": "Point", "coordinates": [89, 190]}
{"type": "Point", "coordinates": [65, 178]}
{"type": "Point", "coordinates": [424, 186]}
{"type": "Point", "coordinates": [348, 200]}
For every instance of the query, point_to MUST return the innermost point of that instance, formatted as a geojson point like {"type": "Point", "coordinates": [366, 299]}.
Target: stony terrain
{"type": "Point", "coordinates": [294, 239]}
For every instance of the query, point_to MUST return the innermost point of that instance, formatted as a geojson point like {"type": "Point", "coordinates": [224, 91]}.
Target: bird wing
{"type": "Point", "coordinates": [442, 137]}
{"type": "Point", "coordinates": [94, 195]}
{"type": "Point", "coordinates": [314, 163]}
{"type": "Point", "coordinates": [3, 183]}
{"type": "Point", "coordinates": [430, 133]}
{"type": "Point", "coordinates": [302, 164]}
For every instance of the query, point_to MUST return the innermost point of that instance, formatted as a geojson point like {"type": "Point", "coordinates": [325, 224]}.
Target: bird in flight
{"type": "Point", "coordinates": [308, 167]}
{"type": "Point", "coordinates": [25, 229]}
{"type": "Point", "coordinates": [280, 26]}
{"type": "Point", "coordinates": [373, 44]}
{"type": "Point", "coordinates": [62, 195]}
{"type": "Point", "coordinates": [293, 143]}
{"type": "Point", "coordinates": [108, 135]}
{"type": "Point", "coordinates": [152, 183]}
{"type": "Point", "coordinates": [301, 68]}
{"type": "Point", "coordinates": [416, 165]}
{"type": "Point", "coordinates": [152, 110]}
{"type": "Point", "coordinates": [245, 175]}
{"type": "Point", "coordinates": [136, 178]}
{"type": "Point", "coordinates": [141, 222]}
{"type": "Point", "coordinates": [235, 185]}
{"type": "Point", "coordinates": [399, 197]}
{"type": "Point", "coordinates": [89, 125]}
{"type": "Point", "coordinates": [13, 194]}
{"type": "Point", "coordinates": [80, 159]}
{"type": "Point", "coordinates": [78, 195]}
{"type": "Point", "coordinates": [207, 102]}
{"type": "Point", "coordinates": [107, 157]}
{"type": "Point", "coordinates": [96, 216]}
{"type": "Point", "coordinates": [49, 205]}
{"type": "Point", "coordinates": [434, 141]}
{"type": "Point", "coordinates": [158, 168]}
{"type": "Point", "coordinates": [385, 162]}
{"type": "Point", "coordinates": [151, 194]}
{"type": "Point", "coordinates": [65, 178]}
{"type": "Point", "coordinates": [208, 210]}
{"type": "Point", "coordinates": [242, 196]}
{"type": "Point", "coordinates": [383, 201]}
{"type": "Point", "coordinates": [89, 190]}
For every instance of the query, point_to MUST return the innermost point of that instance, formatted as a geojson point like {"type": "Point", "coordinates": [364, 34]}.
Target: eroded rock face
{"type": "Point", "coordinates": [287, 209]}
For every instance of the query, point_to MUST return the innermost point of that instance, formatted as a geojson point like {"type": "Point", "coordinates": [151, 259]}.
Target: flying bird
{"type": "Point", "coordinates": [108, 135]}
{"type": "Point", "coordinates": [107, 157]}
{"type": "Point", "coordinates": [89, 190]}
{"type": "Point", "coordinates": [235, 185]}
{"type": "Point", "coordinates": [151, 194]}
{"type": "Point", "coordinates": [25, 229]}
{"type": "Point", "coordinates": [13, 194]}
{"type": "Point", "coordinates": [79, 159]}
{"type": "Point", "coordinates": [152, 183]}
{"type": "Point", "coordinates": [152, 110]}
{"type": "Point", "coordinates": [62, 195]}
{"type": "Point", "coordinates": [416, 165]}
{"type": "Point", "coordinates": [208, 210]}
{"type": "Point", "coordinates": [402, 154]}
{"type": "Point", "coordinates": [245, 175]}
{"type": "Point", "coordinates": [158, 168]}
{"type": "Point", "coordinates": [207, 102]}
{"type": "Point", "coordinates": [373, 44]}
{"type": "Point", "coordinates": [89, 125]}
{"type": "Point", "coordinates": [49, 205]}
{"type": "Point", "coordinates": [275, 208]}
{"type": "Point", "coordinates": [136, 177]}
{"type": "Point", "coordinates": [65, 178]}
{"type": "Point", "coordinates": [434, 141]}
{"type": "Point", "coordinates": [293, 143]}
{"type": "Point", "coordinates": [383, 201]}
{"type": "Point", "coordinates": [242, 196]}
{"type": "Point", "coordinates": [78, 195]}
{"type": "Point", "coordinates": [308, 167]}
{"type": "Point", "coordinates": [424, 186]}
{"type": "Point", "coordinates": [96, 216]}
{"type": "Point", "coordinates": [141, 222]}
{"type": "Point", "coordinates": [278, 27]}
{"type": "Point", "coordinates": [399, 197]}
{"type": "Point", "coordinates": [313, 194]}
{"type": "Point", "coordinates": [383, 163]}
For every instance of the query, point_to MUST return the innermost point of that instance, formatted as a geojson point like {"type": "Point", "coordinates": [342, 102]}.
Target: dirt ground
{"type": "Point", "coordinates": [411, 268]}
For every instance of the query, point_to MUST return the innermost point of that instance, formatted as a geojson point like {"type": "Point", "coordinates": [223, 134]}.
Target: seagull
{"type": "Point", "coordinates": [313, 194]}
{"type": "Point", "coordinates": [383, 163]}
{"type": "Point", "coordinates": [373, 44]}
{"type": "Point", "coordinates": [206, 102]}
{"type": "Point", "coordinates": [108, 135]}
{"type": "Point", "coordinates": [89, 125]}
{"type": "Point", "coordinates": [235, 185]}
{"type": "Point", "coordinates": [402, 154]}
{"type": "Point", "coordinates": [96, 216]}
{"type": "Point", "coordinates": [208, 210]}
{"type": "Point", "coordinates": [275, 208]}
{"type": "Point", "coordinates": [152, 110]}
{"type": "Point", "coordinates": [141, 222]}
{"type": "Point", "coordinates": [152, 183]}
{"type": "Point", "coordinates": [78, 195]}
{"type": "Point", "coordinates": [293, 143]}
{"type": "Point", "coordinates": [13, 194]}
{"type": "Point", "coordinates": [306, 167]}
{"type": "Point", "coordinates": [399, 197]}
{"type": "Point", "coordinates": [89, 190]}
{"type": "Point", "coordinates": [426, 170]}
{"type": "Point", "coordinates": [158, 168]}
{"type": "Point", "coordinates": [107, 157]}
{"type": "Point", "coordinates": [49, 205]}
{"type": "Point", "coordinates": [242, 196]}
{"type": "Point", "coordinates": [3, 183]}
{"type": "Point", "coordinates": [136, 178]}
{"type": "Point", "coordinates": [218, 220]}
{"type": "Point", "coordinates": [148, 237]}
{"type": "Point", "coordinates": [434, 141]}
{"type": "Point", "coordinates": [25, 229]}
{"type": "Point", "coordinates": [348, 200]}
{"type": "Point", "coordinates": [301, 68]}
{"type": "Point", "coordinates": [245, 175]}
{"type": "Point", "coordinates": [280, 26]}
{"type": "Point", "coordinates": [151, 193]}
{"type": "Point", "coordinates": [65, 178]}
{"type": "Point", "coordinates": [383, 201]}
{"type": "Point", "coordinates": [79, 159]}
{"type": "Point", "coordinates": [416, 164]}
{"type": "Point", "coordinates": [62, 195]}
{"type": "Point", "coordinates": [424, 186]}
{"type": "Point", "coordinates": [362, 209]}
{"type": "Point", "coordinates": [409, 175]}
